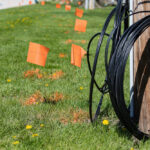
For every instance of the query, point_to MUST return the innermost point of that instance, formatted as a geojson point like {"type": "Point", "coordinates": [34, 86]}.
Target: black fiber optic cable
{"type": "Point", "coordinates": [116, 62]}
{"type": "Point", "coordinates": [119, 11]}
{"type": "Point", "coordinates": [116, 74]}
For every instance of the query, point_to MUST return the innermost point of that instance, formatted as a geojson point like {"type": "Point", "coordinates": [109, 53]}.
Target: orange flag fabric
{"type": "Point", "coordinates": [79, 3]}
{"type": "Point", "coordinates": [80, 25]}
{"type": "Point", "coordinates": [77, 54]}
{"type": "Point", "coordinates": [42, 2]}
{"type": "Point", "coordinates": [30, 2]}
{"type": "Point", "coordinates": [37, 54]}
{"type": "Point", "coordinates": [67, 7]}
{"type": "Point", "coordinates": [79, 12]}
{"type": "Point", "coordinates": [58, 6]}
{"type": "Point", "coordinates": [83, 52]}
{"type": "Point", "coordinates": [67, 2]}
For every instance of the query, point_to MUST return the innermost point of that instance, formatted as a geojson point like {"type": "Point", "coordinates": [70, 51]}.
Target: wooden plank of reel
{"type": "Point", "coordinates": [142, 73]}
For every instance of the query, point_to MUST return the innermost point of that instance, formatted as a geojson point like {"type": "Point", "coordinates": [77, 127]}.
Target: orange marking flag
{"type": "Point", "coordinates": [79, 3]}
{"type": "Point", "coordinates": [67, 2]}
{"type": "Point", "coordinates": [42, 2]}
{"type": "Point", "coordinates": [37, 54]}
{"type": "Point", "coordinates": [83, 52]}
{"type": "Point", "coordinates": [67, 7]}
{"type": "Point", "coordinates": [30, 2]}
{"type": "Point", "coordinates": [66, 32]}
{"type": "Point", "coordinates": [58, 6]}
{"type": "Point", "coordinates": [77, 54]}
{"type": "Point", "coordinates": [80, 25]}
{"type": "Point", "coordinates": [79, 12]}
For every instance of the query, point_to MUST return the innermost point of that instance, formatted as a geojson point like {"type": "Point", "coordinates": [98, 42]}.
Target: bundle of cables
{"type": "Point", "coordinates": [115, 62]}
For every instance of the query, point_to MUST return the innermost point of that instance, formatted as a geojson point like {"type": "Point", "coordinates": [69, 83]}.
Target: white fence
{"type": "Point", "coordinates": [14, 3]}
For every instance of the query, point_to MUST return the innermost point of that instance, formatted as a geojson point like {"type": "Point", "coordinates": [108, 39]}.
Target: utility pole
{"type": "Point", "coordinates": [86, 4]}
{"type": "Point", "coordinates": [142, 72]}
{"type": "Point", "coordinates": [91, 4]}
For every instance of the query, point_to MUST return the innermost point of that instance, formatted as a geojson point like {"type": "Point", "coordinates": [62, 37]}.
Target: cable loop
{"type": "Point", "coordinates": [115, 62]}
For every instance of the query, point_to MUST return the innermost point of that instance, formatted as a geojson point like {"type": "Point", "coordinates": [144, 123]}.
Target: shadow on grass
{"type": "Point", "coordinates": [115, 123]}
{"type": "Point", "coordinates": [122, 131]}
{"type": "Point", "coordinates": [102, 14]}
{"type": "Point", "coordinates": [48, 66]}
{"type": "Point", "coordinates": [106, 111]}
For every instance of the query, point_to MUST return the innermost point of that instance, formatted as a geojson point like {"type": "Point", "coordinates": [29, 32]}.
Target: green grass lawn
{"type": "Point", "coordinates": [66, 122]}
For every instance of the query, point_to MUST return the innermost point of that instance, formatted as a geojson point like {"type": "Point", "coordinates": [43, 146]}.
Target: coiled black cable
{"type": "Point", "coordinates": [121, 11]}
{"type": "Point", "coordinates": [115, 64]}
{"type": "Point", "coordinates": [116, 71]}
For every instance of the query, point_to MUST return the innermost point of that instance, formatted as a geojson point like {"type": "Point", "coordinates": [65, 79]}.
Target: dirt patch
{"type": "Point", "coordinates": [34, 99]}
{"type": "Point", "coordinates": [37, 98]}
{"type": "Point", "coordinates": [61, 55]}
{"type": "Point", "coordinates": [56, 75]}
{"type": "Point", "coordinates": [75, 116]}
{"type": "Point", "coordinates": [33, 73]}
{"type": "Point", "coordinates": [66, 32]}
{"type": "Point", "coordinates": [83, 41]}
{"type": "Point", "coordinates": [60, 25]}
{"type": "Point", "coordinates": [64, 121]}
{"type": "Point", "coordinates": [69, 41]}
{"type": "Point", "coordinates": [79, 116]}
{"type": "Point", "coordinates": [54, 98]}
{"type": "Point", "coordinates": [40, 75]}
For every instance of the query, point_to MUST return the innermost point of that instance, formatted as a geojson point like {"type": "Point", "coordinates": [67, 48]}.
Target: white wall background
{"type": "Point", "coordinates": [14, 3]}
